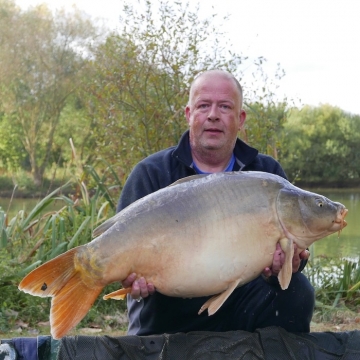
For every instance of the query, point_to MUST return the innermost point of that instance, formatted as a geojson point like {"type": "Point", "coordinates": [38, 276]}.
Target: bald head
{"type": "Point", "coordinates": [214, 75]}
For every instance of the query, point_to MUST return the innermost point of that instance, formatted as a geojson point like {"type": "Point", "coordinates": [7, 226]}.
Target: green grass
{"type": "Point", "coordinates": [336, 283]}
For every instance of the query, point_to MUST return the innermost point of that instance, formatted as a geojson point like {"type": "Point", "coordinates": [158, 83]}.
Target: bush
{"type": "Point", "coordinates": [6, 183]}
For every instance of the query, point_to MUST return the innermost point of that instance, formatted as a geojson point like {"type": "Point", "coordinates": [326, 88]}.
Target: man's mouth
{"type": "Point", "coordinates": [213, 131]}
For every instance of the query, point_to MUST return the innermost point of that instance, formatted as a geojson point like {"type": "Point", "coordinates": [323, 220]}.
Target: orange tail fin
{"type": "Point", "coordinates": [72, 298]}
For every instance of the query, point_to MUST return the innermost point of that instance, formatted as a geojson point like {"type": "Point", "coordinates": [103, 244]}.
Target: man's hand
{"type": "Point", "coordinates": [279, 259]}
{"type": "Point", "coordinates": [139, 287]}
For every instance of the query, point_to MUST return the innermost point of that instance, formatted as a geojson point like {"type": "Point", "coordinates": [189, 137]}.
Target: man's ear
{"type": "Point", "coordinates": [187, 113]}
{"type": "Point", "coordinates": [242, 119]}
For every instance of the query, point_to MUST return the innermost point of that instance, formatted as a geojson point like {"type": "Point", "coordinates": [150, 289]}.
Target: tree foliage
{"type": "Point", "coordinates": [322, 144]}
{"type": "Point", "coordinates": [264, 125]}
{"type": "Point", "coordinates": [139, 81]}
{"type": "Point", "coordinates": [40, 59]}
{"type": "Point", "coordinates": [12, 152]}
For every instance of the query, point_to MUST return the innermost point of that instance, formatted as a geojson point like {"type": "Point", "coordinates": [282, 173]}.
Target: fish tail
{"type": "Point", "coordinates": [71, 296]}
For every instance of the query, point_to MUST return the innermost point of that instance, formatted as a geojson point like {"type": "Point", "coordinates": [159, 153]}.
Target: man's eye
{"type": "Point", "coordinates": [203, 106]}
{"type": "Point", "coordinates": [224, 106]}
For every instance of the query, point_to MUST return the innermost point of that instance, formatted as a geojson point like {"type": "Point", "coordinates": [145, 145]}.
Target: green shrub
{"type": "Point", "coordinates": [6, 183]}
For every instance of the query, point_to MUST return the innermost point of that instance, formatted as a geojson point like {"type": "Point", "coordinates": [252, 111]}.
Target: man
{"type": "Point", "coordinates": [215, 115]}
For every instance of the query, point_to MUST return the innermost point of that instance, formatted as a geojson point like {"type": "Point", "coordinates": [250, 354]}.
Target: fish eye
{"type": "Point", "coordinates": [319, 202]}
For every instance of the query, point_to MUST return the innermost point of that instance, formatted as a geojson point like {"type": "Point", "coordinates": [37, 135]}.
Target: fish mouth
{"type": "Point", "coordinates": [340, 222]}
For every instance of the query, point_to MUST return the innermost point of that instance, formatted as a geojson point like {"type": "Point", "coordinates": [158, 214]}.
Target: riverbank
{"type": "Point", "coordinates": [349, 184]}
{"type": "Point", "coordinates": [23, 187]}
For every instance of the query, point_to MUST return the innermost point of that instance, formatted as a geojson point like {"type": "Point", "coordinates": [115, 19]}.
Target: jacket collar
{"type": "Point", "coordinates": [244, 153]}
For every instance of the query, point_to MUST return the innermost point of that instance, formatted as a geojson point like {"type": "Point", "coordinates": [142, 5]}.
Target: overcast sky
{"type": "Point", "coordinates": [315, 41]}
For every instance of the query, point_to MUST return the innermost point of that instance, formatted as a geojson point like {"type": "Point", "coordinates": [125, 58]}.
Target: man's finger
{"type": "Point", "coordinates": [151, 288]}
{"type": "Point", "coordinates": [305, 254]}
{"type": "Point", "coordinates": [135, 290]}
{"type": "Point", "coordinates": [278, 260]}
{"type": "Point", "coordinates": [296, 263]}
{"type": "Point", "coordinates": [129, 280]}
{"type": "Point", "coordinates": [143, 287]}
{"type": "Point", "coordinates": [267, 272]}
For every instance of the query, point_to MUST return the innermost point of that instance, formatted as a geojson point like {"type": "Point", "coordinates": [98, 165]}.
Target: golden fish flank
{"type": "Point", "coordinates": [223, 227]}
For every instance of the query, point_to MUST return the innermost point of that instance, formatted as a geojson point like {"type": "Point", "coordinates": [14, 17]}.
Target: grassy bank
{"type": "Point", "coordinates": [21, 185]}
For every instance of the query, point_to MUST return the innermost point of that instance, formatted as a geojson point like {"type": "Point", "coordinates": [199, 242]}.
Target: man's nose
{"type": "Point", "coordinates": [213, 114]}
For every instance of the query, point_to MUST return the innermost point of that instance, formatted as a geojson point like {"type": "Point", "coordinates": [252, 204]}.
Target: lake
{"type": "Point", "coordinates": [23, 204]}
{"type": "Point", "coordinates": [347, 245]}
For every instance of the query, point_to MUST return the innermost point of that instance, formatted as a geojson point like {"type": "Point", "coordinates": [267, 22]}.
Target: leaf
{"type": "Point", "coordinates": [80, 229]}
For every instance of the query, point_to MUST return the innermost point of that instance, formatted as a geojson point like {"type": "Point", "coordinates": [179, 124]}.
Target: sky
{"type": "Point", "coordinates": [316, 42]}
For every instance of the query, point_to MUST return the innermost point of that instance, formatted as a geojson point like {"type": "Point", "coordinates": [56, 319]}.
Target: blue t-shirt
{"type": "Point", "coordinates": [228, 168]}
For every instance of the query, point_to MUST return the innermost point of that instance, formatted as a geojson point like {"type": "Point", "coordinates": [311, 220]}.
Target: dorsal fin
{"type": "Point", "coordinates": [105, 225]}
{"type": "Point", "coordinates": [189, 178]}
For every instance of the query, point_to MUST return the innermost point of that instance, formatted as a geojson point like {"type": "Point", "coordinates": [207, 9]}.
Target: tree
{"type": "Point", "coordinates": [41, 56]}
{"type": "Point", "coordinates": [322, 144]}
{"type": "Point", "coordinates": [140, 76]}
{"type": "Point", "coordinates": [12, 154]}
{"type": "Point", "coordinates": [264, 124]}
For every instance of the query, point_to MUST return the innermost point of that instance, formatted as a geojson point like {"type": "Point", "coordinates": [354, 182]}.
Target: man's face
{"type": "Point", "coordinates": [214, 114]}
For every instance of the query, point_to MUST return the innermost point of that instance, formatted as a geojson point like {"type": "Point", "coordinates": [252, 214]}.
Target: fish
{"type": "Point", "coordinates": [217, 231]}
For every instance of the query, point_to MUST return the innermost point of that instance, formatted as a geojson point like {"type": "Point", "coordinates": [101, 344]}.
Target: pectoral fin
{"type": "Point", "coordinates": [118, 294]}
{"type": "Point", "coordinates": [215, 302]}
{"type": "Point", "coordinates": [286, 271]}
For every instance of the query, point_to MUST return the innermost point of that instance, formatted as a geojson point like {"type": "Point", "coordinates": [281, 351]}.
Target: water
{"type": "Point", "coordinates": [15, 205]}
{"type": "Point", "coordinates": [347, 245]}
